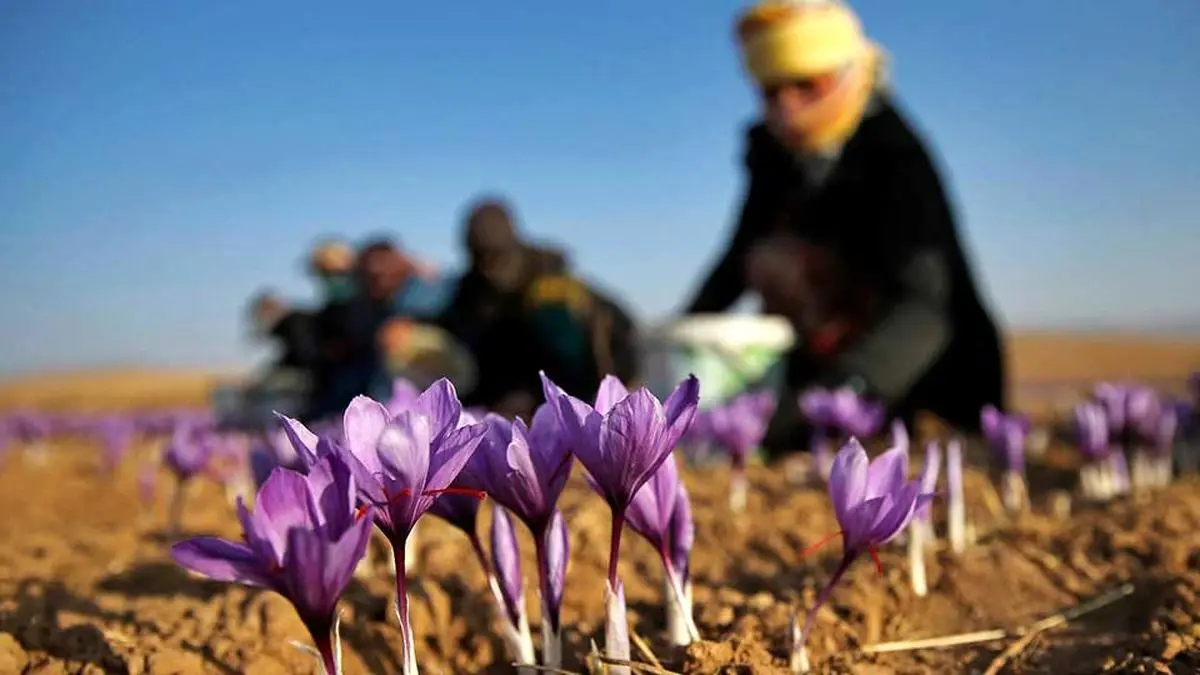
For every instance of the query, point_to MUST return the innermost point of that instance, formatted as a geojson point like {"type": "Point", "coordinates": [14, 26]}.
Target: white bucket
{"type": "Point", "coordinates": [727, 352]}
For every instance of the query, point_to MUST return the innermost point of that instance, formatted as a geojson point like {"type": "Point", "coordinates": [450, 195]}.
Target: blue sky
{"type": "Point", "coordinates": [160, 161]}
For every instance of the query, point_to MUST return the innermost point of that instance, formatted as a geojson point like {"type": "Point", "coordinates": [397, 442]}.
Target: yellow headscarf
{"type": "Point", "coordinates": [786, 40]}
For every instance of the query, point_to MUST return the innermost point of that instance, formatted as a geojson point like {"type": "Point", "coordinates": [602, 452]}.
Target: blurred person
{"type": "Point", "coordinates": [400, 299]}
{"type": "Point", "coordinates": [286, 384]}
{"type": "Point", "coordinates": [332, 263]}
{"type": "Point", "coordinates": [518, 309]}
{"type": "Point", "coordinates": [846, 229]}
{"type": "Point", "coordinates": [292, 329]}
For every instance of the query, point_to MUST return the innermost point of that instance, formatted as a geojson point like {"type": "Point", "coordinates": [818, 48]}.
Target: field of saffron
{"type": "Point", "coordinates": [1086, 575]}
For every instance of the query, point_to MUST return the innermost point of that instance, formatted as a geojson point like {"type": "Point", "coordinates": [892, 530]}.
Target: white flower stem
{"type": "Point", "coordinates": [1015, 494]}
{"type": "Point", "coordinates": [798, 659]}
{"type": "Point", "coordinates": [738, 489]}
{"type": "Point", "coordinates": [616, 628]}
{"type": "Point", "coordinates": [916, 558]}
{"type": "Point", "coordinates": [551, 644]}
{"type": "Point", "coordinates": [956, 508]}
{"type": "Point", "coordinates": [517, 638]}
{"type": "Point", "coordinates": [681, 627]}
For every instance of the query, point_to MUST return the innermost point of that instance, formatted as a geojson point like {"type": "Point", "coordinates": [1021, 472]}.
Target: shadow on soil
{"type": "Point", "coordinates": [31, 616]}
{"type": "Point", "coordinates": [1089, 644]}
{"type": "Point", "coordinates": [161, 580]}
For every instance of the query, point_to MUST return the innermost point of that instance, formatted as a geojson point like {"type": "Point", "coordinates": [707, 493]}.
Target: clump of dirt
{"type": "Point", "coordinates": [87, 586]}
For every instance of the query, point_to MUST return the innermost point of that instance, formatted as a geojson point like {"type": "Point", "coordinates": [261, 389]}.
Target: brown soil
{"type": "Point", "coordinates": [86, 587]}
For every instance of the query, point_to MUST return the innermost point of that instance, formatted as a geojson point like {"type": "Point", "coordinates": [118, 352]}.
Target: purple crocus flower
{"type": "Point", "coordinates": [650, 512]}
{"type": "Point", "coordinates": [1166, 430]}
{"type": "Point", "coordinates": [661, 513]}
{"type": "Point", "coordinates": [508, 586]}
{"type": "Point", "coordinates": [622, 441]}
{"type": "Point", "coordinates": [116, 439]}
{"type": "Point", "coordinates": [1006, 434]}
{"type": "Point", "coordinates": [838, 413]}
{"type": "Point", "coordinates": [189, 451]}
{"type": "Point", "coordinates": [506, 558]}
{"type": "Point", "coordinates": [738, 426]}
{"type": "Point", "coordinates": [402, 464]}
{"type": "Point", "coordinates": [558, 556]}
{"type": "Point", "coordinates": [1144, 409]}
{"type": "Point", "coordinates": [873, 501]}
{"type": "Point", "coordinates": [1132, 411]}
{"type": "Point", "coordinates": [1092, 431]}
{"type": "Point", "coordinates": [302, 541]}
{"type": "Point", "coordinates": [525, 469]}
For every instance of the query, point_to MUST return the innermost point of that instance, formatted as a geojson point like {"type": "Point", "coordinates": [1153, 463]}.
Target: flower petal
{"type": "Point", "coordinates": [362, 425]}
{"type": "Point", "coordinates": [506, 561]}
{"type": "Point", "coordinates": [848, 480]}
{"type": "Point", "coordinates": [887, 473]}
{"type": "Point", "coordinates": [440, 402]}
{"type": "Point", "coordinates": [221, 560]}
{"type": "Point", "coordinates": [611, 390]}
{"type": "Point", "coordinates": [404, 453]}
{"type": "Point", "coordinates": [302, 440]}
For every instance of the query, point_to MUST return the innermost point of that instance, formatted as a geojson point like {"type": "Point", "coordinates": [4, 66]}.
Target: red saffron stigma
{"type": "Point", "coordinates": [392, 499]}
{"type": "Point", "coordinates": [466, 492]}
{"type": "Point", "coordinates": [824, 540]}
{"type": "Point", "coordinates": [878, 563]}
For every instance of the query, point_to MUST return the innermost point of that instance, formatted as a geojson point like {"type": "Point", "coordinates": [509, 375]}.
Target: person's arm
{"type": "Point", "coordinates": [425, 298]}
{"type": "Point", "coordinates": [906, 231]}
{"type": "Point", "coordinates": [726, 281]}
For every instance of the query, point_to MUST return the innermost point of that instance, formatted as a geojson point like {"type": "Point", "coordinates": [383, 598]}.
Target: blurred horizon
{"type": "Point", "coordinates": [165, 161]}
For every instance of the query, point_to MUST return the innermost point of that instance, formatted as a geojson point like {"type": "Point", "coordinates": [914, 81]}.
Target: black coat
{"type": "Point", "coordinates": [881, 211]}
{"type": "Point", "coordinates": [296, 334]}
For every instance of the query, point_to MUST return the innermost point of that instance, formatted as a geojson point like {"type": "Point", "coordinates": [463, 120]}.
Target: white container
{"type": "Point", "coordinates": [727, 352]}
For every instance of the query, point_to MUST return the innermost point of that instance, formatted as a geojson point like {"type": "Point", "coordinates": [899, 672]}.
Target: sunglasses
{"type": "Point", "coordinates": [810, 87]}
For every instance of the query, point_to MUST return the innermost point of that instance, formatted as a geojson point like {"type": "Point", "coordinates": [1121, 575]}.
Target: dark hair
{"type": "Point", "coordinates": [490, 221]}
{"type": "Point", "coordinates": [379, 244]}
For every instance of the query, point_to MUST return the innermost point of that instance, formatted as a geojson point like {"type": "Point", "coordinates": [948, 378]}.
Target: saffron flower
{"type": "Point", "coordinates": [525, 469]}
{"type": "Point", "coordinates": [661, 514]}
{"type": "Point", "coordinates": [1093, 435]}
{"type": "Point", "coordinates": [836, 415]}
{"type": "Point", "coordinates": [738, 426]}
{"type": "Point", "coordinates": [116, 439]}
{"type": "Point", "coordinates": [622, 441]}
{"type": "Point", "coordinates": [1007, 435]}
{"type": "Point", "coordinates": [188, 454]}
{"type": "Point", "coordinates": [401, 465]}
{"type": "Point", "coordinates": [302, 540]}
{"type": "Point", "coordinates": [873, 501]}
{"type": "Point", "coordinates": [508, 587]}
